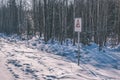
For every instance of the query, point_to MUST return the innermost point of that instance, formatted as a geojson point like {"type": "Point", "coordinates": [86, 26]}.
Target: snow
{"type": "Point", "coordinates": [34, 60]}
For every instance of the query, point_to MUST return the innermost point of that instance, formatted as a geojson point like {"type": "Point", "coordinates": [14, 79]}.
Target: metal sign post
{"type": "Point", "coordinates": [78, 48]}
{"type": "Point", "coordinates": [78, 26]}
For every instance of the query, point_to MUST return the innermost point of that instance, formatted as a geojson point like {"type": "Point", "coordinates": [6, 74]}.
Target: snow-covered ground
{"type": "Point", "coordinates": [34, 60]}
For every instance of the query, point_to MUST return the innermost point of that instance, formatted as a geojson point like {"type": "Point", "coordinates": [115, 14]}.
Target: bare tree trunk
{"type": "Point", "coordinates": [44, 18]}
{"type": "Point", "coordinates": [74, 10]}
{"type": "Point", "coordinates": [53, 22]}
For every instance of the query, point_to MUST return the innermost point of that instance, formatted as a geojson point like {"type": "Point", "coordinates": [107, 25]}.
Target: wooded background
{"type": "Point", "coordinates": [54, 19]}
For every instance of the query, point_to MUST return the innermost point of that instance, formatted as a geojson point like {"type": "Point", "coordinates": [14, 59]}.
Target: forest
{"type": "Point", "coordinates": [54, 19]}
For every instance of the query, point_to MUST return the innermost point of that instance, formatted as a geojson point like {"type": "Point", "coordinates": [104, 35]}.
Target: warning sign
{"type": "Point", "coordinates": [78, 24]}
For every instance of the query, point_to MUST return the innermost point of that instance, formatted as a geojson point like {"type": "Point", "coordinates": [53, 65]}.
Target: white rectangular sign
{"type": "Point", "coordinates": [78, 25]}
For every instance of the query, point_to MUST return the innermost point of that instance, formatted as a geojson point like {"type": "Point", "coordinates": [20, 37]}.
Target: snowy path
{"type": "Point", "coordinates": [21, 63]}
{"type": "Point", "coordinates": [3, 69]}
{"type": "Point", "coordinates": [17, 62]}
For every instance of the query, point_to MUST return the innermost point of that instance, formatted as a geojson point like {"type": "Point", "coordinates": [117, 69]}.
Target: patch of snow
{"type": "Point", "coordinates": [35, 60]}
